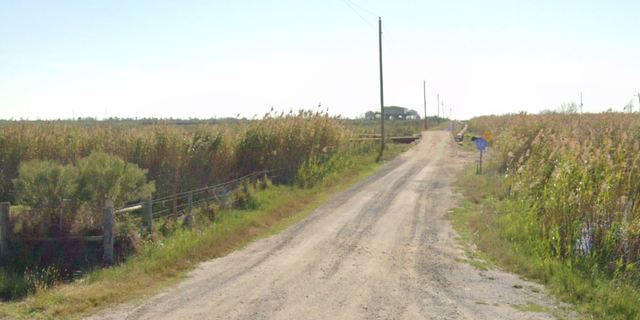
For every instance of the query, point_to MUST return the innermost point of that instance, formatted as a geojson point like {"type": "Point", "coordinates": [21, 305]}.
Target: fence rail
{"type": "Point", "coordinates": [177, 206]}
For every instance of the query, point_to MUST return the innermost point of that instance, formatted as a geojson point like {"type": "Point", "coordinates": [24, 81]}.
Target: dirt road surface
{"type": "Point", "coordinates": [380, 250]}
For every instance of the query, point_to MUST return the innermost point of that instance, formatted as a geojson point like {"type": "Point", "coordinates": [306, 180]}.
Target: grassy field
{"type": "Point", "coordinates": [558, 204]}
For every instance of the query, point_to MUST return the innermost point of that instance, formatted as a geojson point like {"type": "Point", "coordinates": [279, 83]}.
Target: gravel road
{"type": "Point", "coordinates": [380, 250]}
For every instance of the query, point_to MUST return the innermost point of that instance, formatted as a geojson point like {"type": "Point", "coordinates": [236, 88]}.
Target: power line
{"type": "Point", "coordinates": [394, 51]}
{"type": "Point", "coordinates": [390, 43]}
{"type": "Point", "coordinates": [392, 47]}
{"type": "Point", "coordinates": [361, 17]}
{"type": "Point", "coordinates": [363, 9]}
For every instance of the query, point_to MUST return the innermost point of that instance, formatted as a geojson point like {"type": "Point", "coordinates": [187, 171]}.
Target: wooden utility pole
{"type": "Point", "coordinates": [580, 102]}
{"type": "Point", "coordinates": [381, 87]}
{"type": "Point", "coordinates": [438, 105]}
{"type": "Point", "coordinates": [424, 91]}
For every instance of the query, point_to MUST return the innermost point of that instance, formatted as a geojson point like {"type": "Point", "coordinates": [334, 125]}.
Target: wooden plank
{"type": "Point", "coordinates": [404, 139]}
{"type": "Point", "coordinates": [91, 238]}
{"type": "Point", "coordinates": [129, 209]}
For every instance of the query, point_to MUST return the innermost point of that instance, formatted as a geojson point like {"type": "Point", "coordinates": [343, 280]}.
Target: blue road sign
{"type": "Point", "coordinates": [481, 144]}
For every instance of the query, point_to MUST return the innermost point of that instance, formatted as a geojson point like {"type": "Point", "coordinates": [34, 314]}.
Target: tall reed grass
{"type": "Point", "coordinates": [579, 177]}
{"type": "Point", "coordinates": [180, 159]}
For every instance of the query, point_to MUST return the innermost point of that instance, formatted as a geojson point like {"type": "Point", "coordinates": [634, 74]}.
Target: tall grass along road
{"type": "Point", "coordinates": [382, 249]}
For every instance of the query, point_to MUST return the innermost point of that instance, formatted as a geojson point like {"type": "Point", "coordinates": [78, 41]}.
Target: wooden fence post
{"type": "Point", "coordinates": [224, 197]}
{"type": "Point", "coordinates": [245, 186]}
{"type": "Point", "coordinates": [175, 203]}
{"type": "Point", "coordinates": [5, 214]}
{"type": "Point", "coordinates": [148, 215]}
{"type": "Point", "coordinates": [108, 239]}
{"type": "Point", "coordinates": [63, 209]}
{"type": "Point", "coordinates": [188, 219]}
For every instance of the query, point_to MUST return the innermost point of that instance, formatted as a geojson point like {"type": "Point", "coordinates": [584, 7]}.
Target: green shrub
{"type": "Point", "coordinates": [44, 185]}
{"type": "Point", "coordinates": [264, 183]}
{"type": "Point", "coordinates": [244, 201]}
{"type": "Point", "coordinates": [320, 168]}
{"type": "Point", "coordinates": [103, 176]}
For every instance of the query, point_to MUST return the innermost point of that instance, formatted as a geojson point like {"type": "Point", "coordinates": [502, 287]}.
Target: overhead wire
{"type": "Point", "coordinates": [387, 40]}
{"type": "Point", "coordinates": [359, 15]}
{"type": "Point", "coordinates": [363, 9]}
{"type": "Point", "coordinates": [392, 48]}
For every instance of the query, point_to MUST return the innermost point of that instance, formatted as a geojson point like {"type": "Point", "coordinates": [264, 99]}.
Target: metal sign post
{"type": "Point", "coordinates": [510, 184]}
{"type": "Point", "coordinates": [481, 144]}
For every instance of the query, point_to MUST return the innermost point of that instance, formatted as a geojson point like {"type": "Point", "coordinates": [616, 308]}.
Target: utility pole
{"type": "Point", "coordinates": [580, 102]}
{"type": "Point", "coordinates": [438, 105]}
{"type": "Point", "coordinates": [381, 87]}
{"type": "Point", "coordinates": [424, 91]}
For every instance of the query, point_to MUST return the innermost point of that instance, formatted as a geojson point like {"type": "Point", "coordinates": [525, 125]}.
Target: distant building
{"type": "Point", "coordinates": [412, 114]}
{"type": "Point", "coordinates": [399, 113]}
{"type": "Point", "coordinates": [370, 115]}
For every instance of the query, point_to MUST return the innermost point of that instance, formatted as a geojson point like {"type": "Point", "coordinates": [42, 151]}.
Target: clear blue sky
{"type": "Point", "coordinates": [202, 59]}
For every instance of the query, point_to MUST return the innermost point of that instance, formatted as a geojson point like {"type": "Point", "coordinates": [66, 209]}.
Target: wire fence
{"type": "Point", "coordinates": [181, 204]}
{"type": "Point", "coordinates": [142, 213]}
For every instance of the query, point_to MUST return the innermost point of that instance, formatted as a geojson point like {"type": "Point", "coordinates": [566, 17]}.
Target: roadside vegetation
{"type": "Point", "coordinates": [558, 203]}
{"type": "Point", "coordinates": [178, 158]}
{"type": "Point", "coordinates": [47, 169]}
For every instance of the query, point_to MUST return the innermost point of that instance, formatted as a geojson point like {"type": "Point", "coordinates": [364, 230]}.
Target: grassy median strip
{"type": "Point", "coordinates": [166, 260]}
{"type": "Point", "coordinates": [505, 234]}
